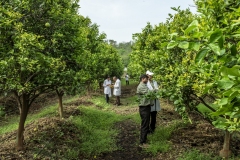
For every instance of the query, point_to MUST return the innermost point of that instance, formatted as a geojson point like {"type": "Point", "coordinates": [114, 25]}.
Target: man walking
{"type": "Point", "coordinates": [117, 90]}
{"type": "Point", "coordinates": [144, 109]}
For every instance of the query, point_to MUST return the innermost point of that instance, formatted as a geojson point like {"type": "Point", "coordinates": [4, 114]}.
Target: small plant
{"type": "Point", "coordinates": [72, 153]}
{"type": "Point", "coordinates": [2, 112]}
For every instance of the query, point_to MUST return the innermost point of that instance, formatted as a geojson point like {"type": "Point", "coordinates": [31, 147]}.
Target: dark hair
{"type": "Point", "coordinates": [143, 76]}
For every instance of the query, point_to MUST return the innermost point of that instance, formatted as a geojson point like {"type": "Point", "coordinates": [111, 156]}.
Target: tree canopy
{"type": "Point", "coordinates": [46, 45]}
{"type": "Point", "coordinates": [196, 59]}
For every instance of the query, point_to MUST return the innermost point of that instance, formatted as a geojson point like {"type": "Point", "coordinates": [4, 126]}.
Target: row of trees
{"type": "Point", "coordinates": [196, 58]}
{"type": "Point", "coordinates": [45, 45]}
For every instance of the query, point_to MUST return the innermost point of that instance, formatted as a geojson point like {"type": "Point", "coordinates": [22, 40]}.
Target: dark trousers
{"type": "Point", "coordinates": [127, 82]}
{"type": "Point", "coordinates": [107, 98]}
{"type": "Point", "coordinates": [117, 100]}
{"type": "Point", "coordinates": [153, 116]}
{"type": "Point", "coordinates": [145, 119]}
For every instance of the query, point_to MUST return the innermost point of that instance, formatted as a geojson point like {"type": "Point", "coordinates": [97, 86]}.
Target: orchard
{"type": "Point", "coordinates": [48, 47]}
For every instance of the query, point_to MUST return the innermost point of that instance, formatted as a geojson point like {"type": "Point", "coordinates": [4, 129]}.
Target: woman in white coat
{"type": "Point", "coordinates": [107, 89]}
{"type": "Point", "coordinates": [152, 85]}
{"type": "Point", "coordinates": [117, 90]}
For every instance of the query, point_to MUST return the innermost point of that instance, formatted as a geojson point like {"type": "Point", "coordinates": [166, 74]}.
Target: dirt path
{"type": "Point", "coordinates": [129, 133]}
{"type": "Point", "coordinates": [127, 142]}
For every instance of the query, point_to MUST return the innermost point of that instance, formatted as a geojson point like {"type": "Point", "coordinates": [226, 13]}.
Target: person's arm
{"type": "Point", "coordinates": [117, 84]}
{"type": "Point", "coordinates": [104, 84]}
{"type": "Point", "coordinates": [141, 90]}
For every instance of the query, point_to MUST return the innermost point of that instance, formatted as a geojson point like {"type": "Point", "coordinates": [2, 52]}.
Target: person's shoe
{"type": "Point", "coordinates": [144, 145]}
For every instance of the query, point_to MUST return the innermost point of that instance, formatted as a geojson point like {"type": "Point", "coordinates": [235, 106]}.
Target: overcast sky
{"type": "Point", "coordinates": [119, 19]}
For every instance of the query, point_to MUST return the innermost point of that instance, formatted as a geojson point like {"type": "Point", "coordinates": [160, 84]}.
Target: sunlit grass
{"type": "Point", "coordinates": [159, 141]}
{"type": "Point", "coordinates": [12, 121]}
{"type": "Point", "coordinates": [98, 133]}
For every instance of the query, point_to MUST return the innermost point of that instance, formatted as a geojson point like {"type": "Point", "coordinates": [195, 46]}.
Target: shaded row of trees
{"type": "Point", "coordinates": [196, 59]}
{"type": "Point", "coordinates": [45, 45]}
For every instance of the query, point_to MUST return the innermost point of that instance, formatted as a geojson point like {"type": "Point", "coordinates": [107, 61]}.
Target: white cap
{"type": "Point", "coordinates": [149, 73]}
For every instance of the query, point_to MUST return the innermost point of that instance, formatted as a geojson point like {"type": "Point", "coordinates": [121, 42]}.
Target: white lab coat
{"type": "Point", "coordinates": [107, 89]}
{"type": "Point", "coordinates": [156, 106]}
{"type": "Point", "coordinates": [117, 88]}
{"type": "Point", "coordinates": [127, 77]}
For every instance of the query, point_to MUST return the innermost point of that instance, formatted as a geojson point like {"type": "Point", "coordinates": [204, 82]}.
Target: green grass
{"type": "Point", "coordinates": [12, 122]}
{"type": "Point", "coordinates": [100, 102]}
{"type": "Point", "coordinates": [130, 101]}
{"type": "Point", "coordinates": [131, 82]}
{"type": "Point", "coordinates": [196, 155]}
{"type": "Point", "coordinates": [135, 117]}
{"type": "Point", "coordinates": [96, 127]}
{"type": "Point", "coordinates": [159, 140]}
{"type": "Point", "coordinates": [98, 135]}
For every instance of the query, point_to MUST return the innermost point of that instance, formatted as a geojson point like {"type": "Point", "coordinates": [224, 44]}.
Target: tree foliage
{"type": "Point", "coordinates": [196, 59]}
{"type": "Point", "coordinates": [46, 45]}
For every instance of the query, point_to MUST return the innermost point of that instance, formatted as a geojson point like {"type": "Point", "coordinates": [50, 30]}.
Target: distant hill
{"type": "Point", "coordinates": [124, 49]}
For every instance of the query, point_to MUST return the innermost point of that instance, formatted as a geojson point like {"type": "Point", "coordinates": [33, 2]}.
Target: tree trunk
{"type": "Point", "coordinates": [23, 117]}
{"type": "Point", "coordinates": [60, 105]}
{"type": "Point", "coordinates": [226, 152]}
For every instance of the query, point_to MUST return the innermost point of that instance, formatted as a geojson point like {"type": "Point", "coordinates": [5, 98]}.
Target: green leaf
{"type": "Point", "coordinates": [197, 35]}
{"type": "Point", "coordinates": [201, 54]}
{"type": "Point", "coordinates": [164, 44]}
{"type": "Point", "coordinates": [220, 42]}
{"type": "Point", "coordinates": [176, 102]}
{"type": "Point", "coordinates": [216, 35]}
{"type": "Point", "coordinates": [172, 44]}
{"type": "Point", "coordinates": [191, 27]}
{"type": "Point", "coordinates": [234, 71]}
{"type": "Point", "coordinates": [223, 101]}
{"type": "Point", "coordinates": [225, 84]}
{"type": "Point", "coordinates": [183, 45]}
{"type": "Point", "coordinates": [194, 45]}
{"type": "Point", "coordinates": [233, 50]}
{"type": "Point", "coordinates": [180, 38]}
{"type": "Point", "coordinates": [215, 48]}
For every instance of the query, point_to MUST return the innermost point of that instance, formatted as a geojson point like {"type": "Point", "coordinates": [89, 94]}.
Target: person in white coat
{"type": "Point", "coordinates": [127, 79]}
{"type": "Point", "coordinates": [107, 88]}
{"type": "Point", "coordinates": [117, 90]}
{"type": "Point", "coordinates": [152, 85]}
